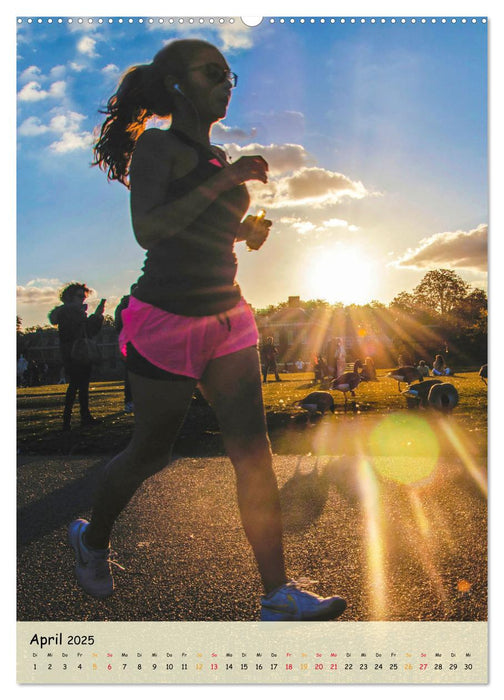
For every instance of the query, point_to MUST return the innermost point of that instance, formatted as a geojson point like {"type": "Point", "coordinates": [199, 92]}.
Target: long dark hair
{"type": "Point", "coordinates": [140, 95]}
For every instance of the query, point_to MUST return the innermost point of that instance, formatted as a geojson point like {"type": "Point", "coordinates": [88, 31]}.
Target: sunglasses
{"type": "Point", "coordinates": [216, 73]}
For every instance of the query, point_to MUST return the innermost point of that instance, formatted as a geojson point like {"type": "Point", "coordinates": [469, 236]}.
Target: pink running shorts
{"type": "Point", "coordinates": [185, 344]}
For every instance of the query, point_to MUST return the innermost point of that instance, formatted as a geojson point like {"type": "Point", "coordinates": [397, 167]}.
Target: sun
{"type": "Point", "coordinates": [341, 273]}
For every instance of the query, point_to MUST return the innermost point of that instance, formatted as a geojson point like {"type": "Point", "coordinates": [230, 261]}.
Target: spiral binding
{"type": "Point", "coordinates": [170, 21]}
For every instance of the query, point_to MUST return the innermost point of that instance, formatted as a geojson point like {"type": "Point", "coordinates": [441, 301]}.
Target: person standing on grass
{"type": "Point", "coordinates": [22, 366]}
{"type": "Point", "coordinates": [269, 354]}
{"type": "Point", "coordinates": [186, 322]}
{"type": "Point", "coordinates": [118, 325]}
{"type": "Point", "coordinates": [339, 360]}
{"type": "Point", "coordinates": [73, 323]}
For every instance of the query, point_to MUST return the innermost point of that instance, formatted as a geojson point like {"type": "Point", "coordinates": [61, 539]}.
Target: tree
{"type": "Point", "coordinates": [441, 291]}
{"type": "Point", "coordinates": [405, 303]}
{"type": "Point", "coordinates": [472, 305]}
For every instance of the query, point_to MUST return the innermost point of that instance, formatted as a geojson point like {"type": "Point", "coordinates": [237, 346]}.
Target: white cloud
{"type": "Point", "coordinates": [57, 89]}
{"type": "Point", "coordinates": [57, 72]}
{"type": "Point", "coordinates": [455, 249]}
{"type": "Point", "coordinates": [30, 73]}
{"type": "Point", "coordinates": [335, 223]}
{"type": "Point", "coordinates": [77, 67]}
{"type": "Point", "coordinates": [44, 281]}
{"type": "Point", "coordinates": [32, 126]}
{"type": "Point", "coordinates": [320, 186]}
{"type": "Point", "coordinates": [223, 133]}
{"type": "Point", "coordinates": [86, 46]}
{"type": "Point", "coordinates": [67, 127]}
{"type": "Point", "coordinates": [235, 36]}
{"type": "Point", "coordinates": [111, 71]}
{"type": "Point", "coordinates": [227, 37]}
{"type": "Point", "coordinates": [313, 186]}
{"type": "Point", "coordinates": [318, 231]}
{"type": "Point", "coordinates": [72, 141]}
{"type": "Point", "coordinates": [32, 92]}
{"type": "Point", "coordinates": [68, 121]}
{"type": "Point", "coordinates": [303, 227]}
{"type": "Point", "coordinates": [281, 158]}
{"type": "Point", "coordinates": [37, 295]}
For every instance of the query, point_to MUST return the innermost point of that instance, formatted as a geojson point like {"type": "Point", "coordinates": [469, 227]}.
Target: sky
{"type": "Point", "coordinates": [375, 134]}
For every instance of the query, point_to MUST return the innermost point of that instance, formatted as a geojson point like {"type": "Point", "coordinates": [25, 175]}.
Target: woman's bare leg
{"type": "Point", "coordinates": [160, 409]}
{"type": "Point", "coordinates": [232, 385]}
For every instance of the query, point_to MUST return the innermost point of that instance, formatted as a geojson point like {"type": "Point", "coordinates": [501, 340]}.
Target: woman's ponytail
{"type": "Point", "coordinates": [127, 112]}
{"type": "Point", "coordinates": [140, 95]}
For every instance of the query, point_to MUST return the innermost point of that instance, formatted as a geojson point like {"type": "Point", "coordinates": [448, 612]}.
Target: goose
{"type": "Point", "coordinates": [483, 373]}
{"type": "Point", "coordinates": [444, 397]}
{"type": "Point", "coordinates": [407, 374]}
{"type": "Point", "coordinates": [348, 381]}
{"type": "Point", "coordinates": [418, 394]}
{"type": "Point", "coordinates": [317, 401]}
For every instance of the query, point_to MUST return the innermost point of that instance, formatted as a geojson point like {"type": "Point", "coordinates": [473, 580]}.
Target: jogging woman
{"type": "Point", "coordinates": [186, 323]}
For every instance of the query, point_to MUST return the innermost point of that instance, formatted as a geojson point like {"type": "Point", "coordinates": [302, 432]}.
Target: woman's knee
{"type": "Point", "coordinates": [149, 455]}
{"type": "Point", "coordinates": [250, 453]}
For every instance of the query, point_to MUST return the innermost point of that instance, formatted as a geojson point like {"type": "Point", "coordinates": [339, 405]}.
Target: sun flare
{"type": "Point", "coordinates": [341, 273]}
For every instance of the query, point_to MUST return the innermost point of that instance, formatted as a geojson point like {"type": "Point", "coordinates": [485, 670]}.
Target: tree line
{"type": "Point", "coordinates": [441, 314]}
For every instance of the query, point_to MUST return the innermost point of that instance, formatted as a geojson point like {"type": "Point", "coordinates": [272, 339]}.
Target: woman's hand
{"type": "Point", "coordinates": [254, 230]}
{"type": "Point", "coordinates": [244, 169]}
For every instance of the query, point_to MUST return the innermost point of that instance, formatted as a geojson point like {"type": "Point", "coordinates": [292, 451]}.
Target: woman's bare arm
{"type": "Point", "coordinates": [152, 170]}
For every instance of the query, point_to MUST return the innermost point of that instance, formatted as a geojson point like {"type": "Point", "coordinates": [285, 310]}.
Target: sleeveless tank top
{"type": "Point", "coordinates": [192, 273]}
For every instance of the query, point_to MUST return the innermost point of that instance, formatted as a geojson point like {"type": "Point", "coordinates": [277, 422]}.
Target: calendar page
{"type": "Point", "coordinates": [252, 365]}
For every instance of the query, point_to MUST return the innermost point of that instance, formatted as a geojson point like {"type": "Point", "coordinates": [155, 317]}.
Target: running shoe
{"type": "Point", "coordinates": [292, 602]}
{"type": "Point", "coordinates": [93, 567]}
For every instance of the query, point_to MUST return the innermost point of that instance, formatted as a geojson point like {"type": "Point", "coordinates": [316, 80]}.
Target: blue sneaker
{"type": "Point", "coordinates": [93, 567]}
{"type": "Point", "coordinates": [292, 602]}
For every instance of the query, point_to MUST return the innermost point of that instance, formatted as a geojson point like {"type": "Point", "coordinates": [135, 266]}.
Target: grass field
{"type": "Point", "coordinates": [292, 429]}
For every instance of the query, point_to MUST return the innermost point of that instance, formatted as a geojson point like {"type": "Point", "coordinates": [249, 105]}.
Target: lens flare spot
{"type": "Point", "coordinates": [464, 586]}
{"type": "Point", "coordinates": [404, 448]}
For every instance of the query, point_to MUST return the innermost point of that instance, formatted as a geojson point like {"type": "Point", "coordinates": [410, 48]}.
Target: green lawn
{"type": "Point", "coordinates": [291, 428]}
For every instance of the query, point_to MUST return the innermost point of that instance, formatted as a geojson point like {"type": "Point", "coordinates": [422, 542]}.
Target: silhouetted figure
{"type": "Point", "coordinates": [439, 368]}
{"type": "Point", "coordinates": [186, 322]}
{"type": "Point", "coordinates": [368, 373]}
{"type": "Point", "coordinates": [32, 373]}
{"type": "Point", "coordinates": [423, 368]}
{"type": "Point", "coordinates": [320, 368]}
{"type": "Point", "coordinates": [339, 358]}
{"type": "Point", "coordinates": [118, 324]}
{"type": "Point", "coordinates": [268, 355]}
{"type": "Point", "coordinates": [74, 323]}
{"type": "Point", "coordinates": [22, 366]}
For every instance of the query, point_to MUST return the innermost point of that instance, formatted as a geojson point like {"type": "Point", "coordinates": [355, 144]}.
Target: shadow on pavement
{"type": "Point", "coordinates": [59, 507]}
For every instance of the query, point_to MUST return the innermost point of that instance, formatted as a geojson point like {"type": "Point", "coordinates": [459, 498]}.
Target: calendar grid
{"type": "Point", "coordinates": [184, 652]}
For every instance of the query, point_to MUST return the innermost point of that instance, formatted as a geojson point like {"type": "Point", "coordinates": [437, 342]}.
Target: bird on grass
{"type": "Point", "coordinates": [483, 373]}
{"type": "Point", "coordinates": [348, 381]}
{"type": "Point", "coordinates": [407, 375]}
{"type": "Point", "coordinates": [443, 397]}
{"type": "Point", "coordinates": [418, 394]}
{"type": "Point", "coordinates": [433, 393]}
{"type": "Point", "coordinates": [317, 402]}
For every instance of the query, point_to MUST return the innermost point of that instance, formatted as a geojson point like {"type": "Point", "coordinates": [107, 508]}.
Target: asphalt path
{"type": "Point", "coordinates": [395, 551]}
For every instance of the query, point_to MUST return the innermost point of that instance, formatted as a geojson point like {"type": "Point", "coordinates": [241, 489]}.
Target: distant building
{"type": "Point", "coordinates": [302, 335]}
{"type": "Point", "coordinates": [42, 346]}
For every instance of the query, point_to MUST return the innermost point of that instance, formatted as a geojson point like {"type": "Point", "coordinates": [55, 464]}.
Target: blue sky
{"type": "Point", "coordinates": [375, 134]}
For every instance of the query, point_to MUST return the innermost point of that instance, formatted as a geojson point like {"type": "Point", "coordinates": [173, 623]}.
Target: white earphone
{"type": "Point", "coordinates": [178, 89]}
